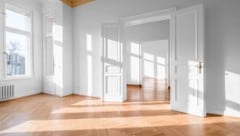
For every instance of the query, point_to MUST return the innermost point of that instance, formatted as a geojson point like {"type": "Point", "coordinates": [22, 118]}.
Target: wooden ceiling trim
{"type": "Point", "coordinates": [68, 2]}
{"type": "Point", "coordinates": [75, 3]}
{"type": "Point", "coordinates": [80, 2]}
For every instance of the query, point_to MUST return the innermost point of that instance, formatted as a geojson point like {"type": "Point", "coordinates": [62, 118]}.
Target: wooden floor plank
{"type": "Point", "coordinates": [44, 115]}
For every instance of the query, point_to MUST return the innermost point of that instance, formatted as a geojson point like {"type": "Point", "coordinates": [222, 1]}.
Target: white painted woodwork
{"type": "Point", "coordinates": [112, 63]}
{"type": "Point", "coordinates": [57, 19]}
{"type": "Point", "coordinates": [25, 86]}
{"type": "Point", "coordinates": [187, 43]}
{"type": "Point", "coordinates": [48, 84]}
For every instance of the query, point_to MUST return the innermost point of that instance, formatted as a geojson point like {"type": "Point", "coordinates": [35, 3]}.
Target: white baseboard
{"type": "Point", "coordinates": [66, 93]}
{"type": "Point", "coordinates": [83, 93]}
{"type": "Point", "coordinates": [26, 94]}
{"type": "Point", "coordinates": [49, 93]}
{"type": "Point", "coordinates": [224, 112]}
{"type": "Point", "coordinates": [218, 111]}
{"type": "Point", "coordinates": [232, 113]}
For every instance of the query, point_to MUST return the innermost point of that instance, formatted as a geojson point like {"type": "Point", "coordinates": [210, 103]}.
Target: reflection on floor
{"type": "Point", "coordinates": [151, 90]}
{"type": "Point", "coordinates": [44, 115]}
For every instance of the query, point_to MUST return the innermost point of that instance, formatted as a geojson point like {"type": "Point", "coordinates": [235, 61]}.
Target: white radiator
{"type": "Point", "coordinates": [6, 92]}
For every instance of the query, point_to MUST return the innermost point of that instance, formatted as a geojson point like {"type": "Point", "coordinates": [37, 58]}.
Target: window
{"type": "Point", "coordinates": [18, 42]}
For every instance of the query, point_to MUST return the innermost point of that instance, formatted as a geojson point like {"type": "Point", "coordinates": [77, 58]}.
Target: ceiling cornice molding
{"type": "Point", "coordinates": [75, 3]}
{"type": "Point", "coordinates": [68, 2]}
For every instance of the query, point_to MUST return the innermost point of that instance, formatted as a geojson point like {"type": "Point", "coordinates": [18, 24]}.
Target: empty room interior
{"type": "Point", "coordinates": [119, 68]}
{"type": "Point", "coordinates": [147, 61]}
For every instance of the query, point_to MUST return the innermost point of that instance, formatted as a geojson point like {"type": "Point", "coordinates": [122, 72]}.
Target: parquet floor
{"type": "Point", "coordinates": [44, 115]}
{"type": "Point", "coordinates": [151, 90]}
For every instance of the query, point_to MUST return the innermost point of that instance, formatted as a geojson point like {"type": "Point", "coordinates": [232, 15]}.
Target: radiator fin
{"type": "Point", "coordinates": [6, 92]}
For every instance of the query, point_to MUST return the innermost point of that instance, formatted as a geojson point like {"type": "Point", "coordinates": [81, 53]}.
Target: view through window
{"type": "Point", "coordinates": [17, 42]}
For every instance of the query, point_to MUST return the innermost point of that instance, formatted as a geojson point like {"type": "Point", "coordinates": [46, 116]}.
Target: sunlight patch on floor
{"type": "Point", "coordinates": [103, 123]}
{"type": "Point", "coordinates": [103, 108]}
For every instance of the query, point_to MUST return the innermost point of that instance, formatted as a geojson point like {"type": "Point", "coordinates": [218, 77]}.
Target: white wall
{"type": "Point", "coordinates": [222, 45]}
{"type": "Point", "coordinates": [61, 81]}
{"type": "Point", "coordinates": [153, 40]}
{"type": "Point", "coordinates": [53, 48]}
{"type": "Point", "coordinates": [25, 87]}
{"type": "Point", "coordinates": [68, 51]}
{"type": "Point", "coordinates": [87, 19]}
{"type": "Point", "coordinates": [155, 59]}
{"type": "Point", "coordinates": [222, 56]}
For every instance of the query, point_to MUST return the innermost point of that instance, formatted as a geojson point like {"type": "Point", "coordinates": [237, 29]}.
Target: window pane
{"type": "Point", "coordinates": [17, 49]}
{"type": "Point", "coordinates": [18, 21]}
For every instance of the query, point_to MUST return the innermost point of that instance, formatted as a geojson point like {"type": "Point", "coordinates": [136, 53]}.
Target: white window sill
{"type": "Point", "coordinates": [17, 78]}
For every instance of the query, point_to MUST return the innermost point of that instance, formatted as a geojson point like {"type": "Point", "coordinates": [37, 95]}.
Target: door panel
{"type": "Point", "coordinates": [187, 61]}
{"type": "Point", "coordinates": [185, 32]}
{"type": "Point", "coordinates": [112, 42]}
{"type": "Point", "coordinates": [49, 84]}
{"type": "Point", "coordinates": [113, 87]}
{"type": "Point", "coordinates": [112, 63]}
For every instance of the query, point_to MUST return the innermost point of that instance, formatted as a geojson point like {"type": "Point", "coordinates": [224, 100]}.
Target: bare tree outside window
{"type": "Point", "coordinates": [18, 46]}
{"type": "Point", "coordinates": [15, 61]}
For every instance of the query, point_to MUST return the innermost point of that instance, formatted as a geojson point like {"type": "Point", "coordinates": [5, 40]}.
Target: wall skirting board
{"type": "Point", "coordinates": [29, 93]}
{"type": "Point", "coordinates": [32, 93]}
{"type": "Point", "coordinates": [67, 92]}
{"type": "Point", "coordinates": [224, 112]}
{"type": "Point", "coordinates": [84, 93]}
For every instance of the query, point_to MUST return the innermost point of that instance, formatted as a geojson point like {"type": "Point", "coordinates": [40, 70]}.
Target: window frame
{"type": "Point", "coordinates": [29, 73]}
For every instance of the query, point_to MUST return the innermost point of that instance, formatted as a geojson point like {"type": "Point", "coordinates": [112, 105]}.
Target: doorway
{"type": "Point", "coordinates": [186, 58]}
{"type": "Point", "coordinates": [147, 58]}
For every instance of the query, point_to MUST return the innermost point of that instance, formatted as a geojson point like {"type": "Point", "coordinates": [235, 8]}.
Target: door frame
{"type": "Point", "coordinates": [167, 14]}
{"type": "Point", "coordinates": [150, 17]}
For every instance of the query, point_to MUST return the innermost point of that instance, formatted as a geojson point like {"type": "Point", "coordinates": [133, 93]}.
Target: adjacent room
{"type": "Point", "coordinates": [119, 67]}
{"type": "Point", "coordinates": [147, 61]}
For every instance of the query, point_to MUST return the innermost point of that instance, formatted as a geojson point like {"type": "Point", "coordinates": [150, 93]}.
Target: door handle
{"type": "Point", "coordinates": [199, 66]}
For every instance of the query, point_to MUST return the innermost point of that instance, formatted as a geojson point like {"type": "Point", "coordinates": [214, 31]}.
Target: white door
{"type": "Point", "coordinates": [187, 59]}
{"type": "Point", "coordinates": [112, 63]}
{"type": "Point", "coordinates": [49, 84]}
